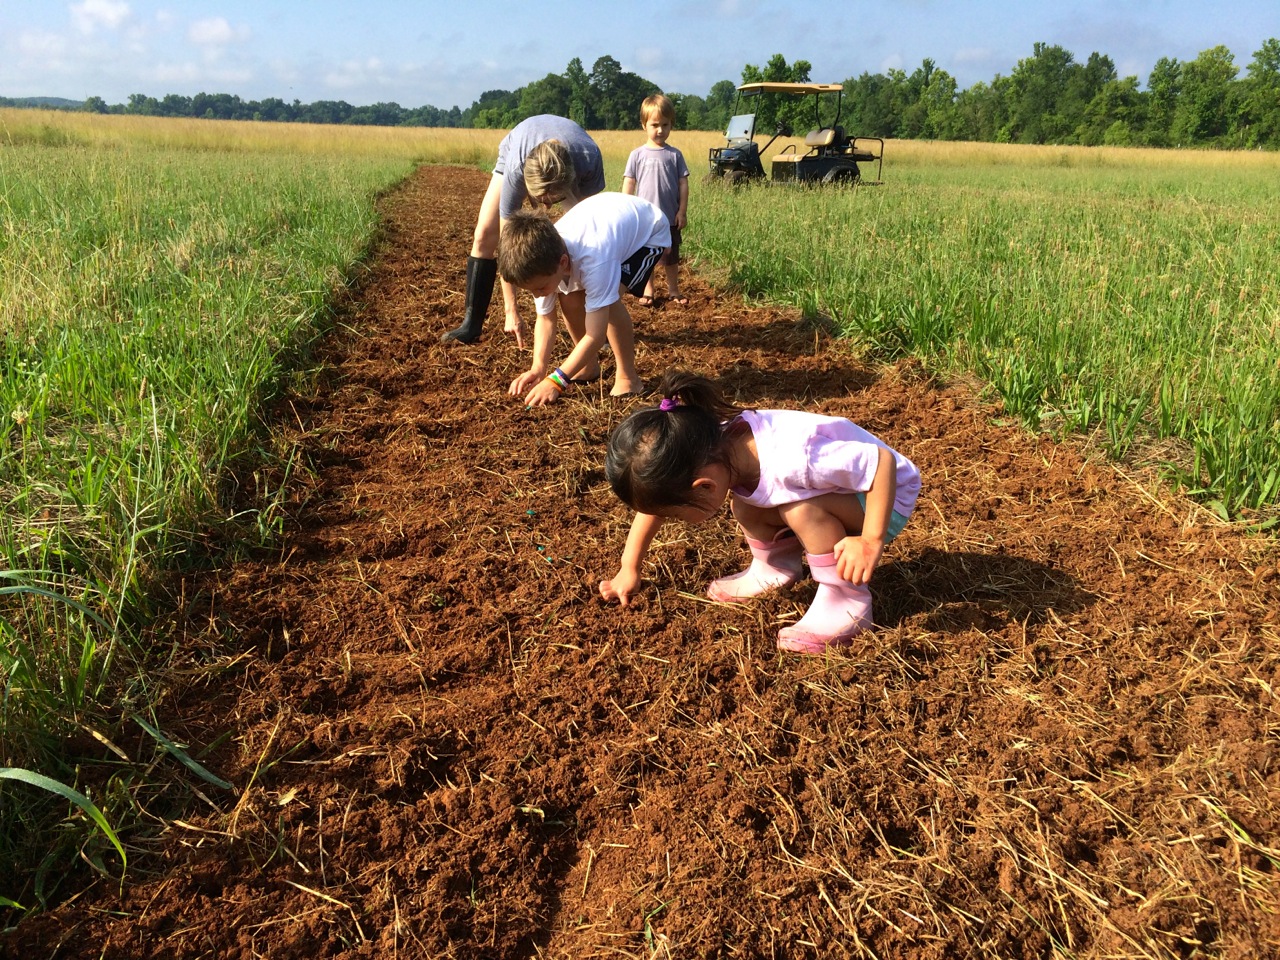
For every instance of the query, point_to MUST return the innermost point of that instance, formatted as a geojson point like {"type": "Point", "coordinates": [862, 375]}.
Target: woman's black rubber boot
{"type": "Point", "coordinates": [481, 275]}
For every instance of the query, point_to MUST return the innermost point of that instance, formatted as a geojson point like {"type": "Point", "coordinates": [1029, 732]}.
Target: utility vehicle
{"type": "Point", "coordinates": [829, 155]}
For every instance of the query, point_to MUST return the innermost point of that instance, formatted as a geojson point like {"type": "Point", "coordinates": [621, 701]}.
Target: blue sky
{"type": "Point", "coordinates": [447, 54]}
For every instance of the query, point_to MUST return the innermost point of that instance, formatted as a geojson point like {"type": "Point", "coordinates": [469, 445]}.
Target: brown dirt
{"type": "Point", "coordinates": [1064, 737]}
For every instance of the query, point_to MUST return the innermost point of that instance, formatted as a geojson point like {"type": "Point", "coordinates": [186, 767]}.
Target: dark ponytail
{"type": "Point", "coordinates": [655, 454]}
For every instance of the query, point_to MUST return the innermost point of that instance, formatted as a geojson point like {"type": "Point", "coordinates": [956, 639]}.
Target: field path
{"type": "Point", "coordinates": [444, 745]}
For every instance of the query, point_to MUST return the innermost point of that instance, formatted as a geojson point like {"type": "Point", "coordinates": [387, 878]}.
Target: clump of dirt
{"type": "Point", "coordinates": [1063, 737]}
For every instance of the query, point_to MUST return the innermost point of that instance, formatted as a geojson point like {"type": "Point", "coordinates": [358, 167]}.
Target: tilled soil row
{"type": "Point", "coordinates": [444, 744]}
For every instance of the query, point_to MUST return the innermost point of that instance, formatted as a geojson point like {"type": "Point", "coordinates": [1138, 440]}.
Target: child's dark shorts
{"type": "Point", "coordinates": [672, 256]}
{"type": "Point", "coordinates": [638, 268]}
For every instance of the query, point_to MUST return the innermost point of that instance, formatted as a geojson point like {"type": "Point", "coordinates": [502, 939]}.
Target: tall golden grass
{"type": "Point", "coordinates": [466, 146]}
{"type": "Point", "coordinates": [419, 144]}
{"type": "Point", "coordinates": [423, 144]}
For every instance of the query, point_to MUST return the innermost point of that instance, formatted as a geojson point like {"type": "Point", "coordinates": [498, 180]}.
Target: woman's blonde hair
{"type": "Point", "coordinates": [549, 176]}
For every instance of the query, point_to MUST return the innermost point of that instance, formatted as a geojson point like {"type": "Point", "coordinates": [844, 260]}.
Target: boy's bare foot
{"type": "Point", "coordinates": [627, 388]}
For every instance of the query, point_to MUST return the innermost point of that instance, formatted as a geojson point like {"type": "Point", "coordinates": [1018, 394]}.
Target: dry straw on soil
{"type": "Point", "coordinates": [1061, 742]}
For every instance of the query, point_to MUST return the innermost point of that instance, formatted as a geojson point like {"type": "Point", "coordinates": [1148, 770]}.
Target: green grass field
{"type": "Point", "coordinates": [156, 287]}
{"type": "Point", "coordinates": [1132, 293]}
{"type": "Point", "coordinates": [160, 280]}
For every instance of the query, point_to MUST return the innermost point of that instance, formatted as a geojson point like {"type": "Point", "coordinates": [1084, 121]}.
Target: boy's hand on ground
{"type": "Point", "coordinates": [523, 382]}
{"type": "Point", "coordinates": [542, 394]}
{"type": "Point", "coordinates": [857, 557]}
{"type": "Point", "coordinates": [620, 588]}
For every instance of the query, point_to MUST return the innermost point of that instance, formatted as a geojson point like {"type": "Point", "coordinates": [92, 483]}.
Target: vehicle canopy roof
{"type": "Point", "coordinates": [751, 89]}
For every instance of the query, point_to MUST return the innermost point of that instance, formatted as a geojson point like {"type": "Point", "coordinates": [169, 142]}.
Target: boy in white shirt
{"type": "Point", "coordinates": [605, 245]}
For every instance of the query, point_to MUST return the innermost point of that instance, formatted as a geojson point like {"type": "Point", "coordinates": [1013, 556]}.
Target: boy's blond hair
{"type": "Point", "coordinates": [660, 104]}
{"type": "Point", "coordinates": [549, 175]}
{"type": "Point", "coordinates": [530, 247]}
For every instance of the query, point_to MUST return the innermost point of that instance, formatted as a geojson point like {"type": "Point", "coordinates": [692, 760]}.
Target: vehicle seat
{"type": "Point", "coordinates": [820, 138]}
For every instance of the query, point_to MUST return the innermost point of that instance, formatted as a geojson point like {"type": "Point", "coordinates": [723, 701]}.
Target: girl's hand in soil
{"type": "Point", "coordinates": [620, 588]}
{"type": "Point", "coordinates": [544, 393]}
{"type": "Point", "coordinates": [523, 382]}
{"type": "Point", "coordinates": [856, 557]}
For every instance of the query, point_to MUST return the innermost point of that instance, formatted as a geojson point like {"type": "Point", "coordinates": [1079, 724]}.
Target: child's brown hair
{"type": "Point", "coordinates": [530, 247]}
{"type": "Point", "coordinates": [660, 104]}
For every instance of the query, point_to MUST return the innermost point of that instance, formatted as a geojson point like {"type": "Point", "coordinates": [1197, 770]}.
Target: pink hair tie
{"type": "Point", "coordinates": [668, 404]}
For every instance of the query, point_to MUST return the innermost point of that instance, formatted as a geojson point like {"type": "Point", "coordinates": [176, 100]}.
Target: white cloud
{"type": "Point", "coordinates": [650, 56]}
{"type": "Point", "coordinates": [1134, 67]}
{"type": "Point", "coordinates": [179, 74]}
{"type": "Point", "coordinates": [355, 73]}
{"type": "Point", "coordinates": [214, 32]}
{"type": "Point", "coordinates": [171, 76]}
{"type": "Point", "coordinates": [285, 70]}
{"type": "Point", "coordinates": [973, 55]}
{"type": "Point", "coordinates": [92, 14]}
{"type": "Point", "coordinates": [39, 44]}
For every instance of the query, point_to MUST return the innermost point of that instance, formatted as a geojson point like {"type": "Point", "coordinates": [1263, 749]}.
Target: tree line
{"type": "Point", "coordinates": [1048, 98]}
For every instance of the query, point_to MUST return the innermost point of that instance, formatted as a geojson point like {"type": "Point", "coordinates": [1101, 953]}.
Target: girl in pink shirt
{"type": "Point", "coordinates": [798, 484]}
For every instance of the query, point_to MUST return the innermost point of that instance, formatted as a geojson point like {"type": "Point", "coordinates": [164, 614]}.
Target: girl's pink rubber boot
{"type": "Point", "coordinates": [774, 563]}
{"type": "Point", "coordinates": [840, 610]}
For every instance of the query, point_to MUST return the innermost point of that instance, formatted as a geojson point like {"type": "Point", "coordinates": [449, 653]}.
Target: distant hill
{"type": "Point", "coordinates": [45, 103]}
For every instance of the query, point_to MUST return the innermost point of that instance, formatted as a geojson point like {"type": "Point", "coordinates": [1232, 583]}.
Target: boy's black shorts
{"type": "Point", "coordinates": [638, 268]}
